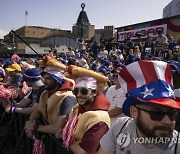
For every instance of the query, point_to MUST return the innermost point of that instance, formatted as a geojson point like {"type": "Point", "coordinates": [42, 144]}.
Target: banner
{"type": "Point", "coordinates": [152, 31]}
{"type": "Point", "coordinates": [169, 25]}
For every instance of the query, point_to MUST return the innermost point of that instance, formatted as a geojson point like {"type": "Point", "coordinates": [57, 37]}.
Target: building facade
{"type": "Point", "coordinates": [83, 28]}
{"type": "Point", "coordinates": [108, 33]}
{"type": "Point", "coordinates": [40, 38]}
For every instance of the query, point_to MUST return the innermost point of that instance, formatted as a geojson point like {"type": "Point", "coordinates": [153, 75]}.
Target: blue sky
{"type": "Point", "coordinates": [62, 14]}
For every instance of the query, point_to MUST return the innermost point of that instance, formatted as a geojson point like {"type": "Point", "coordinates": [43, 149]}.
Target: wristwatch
{"type": "Point", "coordinates": [35, 127]}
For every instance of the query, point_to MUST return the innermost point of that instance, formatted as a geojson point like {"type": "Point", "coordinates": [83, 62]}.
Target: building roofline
{"type": "Point", "coordinates": [41, 28]}
{"type": "Point", "coordinates": [148, 21]}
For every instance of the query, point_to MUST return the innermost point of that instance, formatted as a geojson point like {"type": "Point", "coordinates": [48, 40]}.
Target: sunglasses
{"type": "Point", "coordinates": [84, 91]}
{"type": "Point", "coordinates": [159, 115]}
{"type": "Point", "coordinates": [115, 76]}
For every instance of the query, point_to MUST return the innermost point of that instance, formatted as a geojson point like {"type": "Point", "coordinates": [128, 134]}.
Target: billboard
{"type": "Point", "coordinates": [170, 27]}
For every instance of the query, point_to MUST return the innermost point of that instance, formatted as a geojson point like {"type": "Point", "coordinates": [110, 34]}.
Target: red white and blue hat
{"type": "Point", "coordinates": [147, 81]}
{"type": "Point", "coordinates": [55, 73]}
{"type": "Point", "coordinates": [31, 75]}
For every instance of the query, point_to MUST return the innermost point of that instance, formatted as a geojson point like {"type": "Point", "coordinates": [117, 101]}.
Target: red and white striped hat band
{"type": "Point", "coordinates": [54, 71]}
{"type": "Point", "coordinates": [32, 77]}
{"type": "Point", "coordinates": [144, 72]}
{"type": "Point", "coordinates": [87, 82]}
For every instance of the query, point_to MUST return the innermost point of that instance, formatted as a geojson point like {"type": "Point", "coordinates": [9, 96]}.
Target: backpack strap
{"type": "Point", "coordinates": [175, 150]}
{"type": "Point", "coordinates": [123, 126]}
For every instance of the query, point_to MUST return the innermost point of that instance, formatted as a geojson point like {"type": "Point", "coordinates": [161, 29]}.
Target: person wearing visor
{"type": "Point", "coordinates": [14, 71]}
{"type": "Point", "coordinates": [89, 119]}
{"type": "Point", "coordinates": [151, 109]}
{"type": "Point", "coordinates": [55, 103]}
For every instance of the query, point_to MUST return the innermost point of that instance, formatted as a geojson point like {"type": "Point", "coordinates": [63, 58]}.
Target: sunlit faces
{"type": "Point", "coordinates": [115, 78]}
{"type": "Point", "coordinates": [159, 115]}
{"type": "Point", "coordinates": [85, 96]}
{"type": "Point", "coordinates": [49, 82]}
{"type": "Point", "coordinates": [13, 73]}
{"type": "Point", "coordinates": [150, 125]}
{"type": "Point", "coordinates": [83, 91]}
{"type": "Point", "coordinates": [40, 68]}
{"type": "Point", "coordinates": [136, 47]}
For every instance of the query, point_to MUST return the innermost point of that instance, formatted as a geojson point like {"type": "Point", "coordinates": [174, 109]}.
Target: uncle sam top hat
{"type": "Point", "coordinates": [147, 81]}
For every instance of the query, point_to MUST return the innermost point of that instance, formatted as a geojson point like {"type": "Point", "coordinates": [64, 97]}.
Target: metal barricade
{"type": "Point", "coordinates": [15, 141]}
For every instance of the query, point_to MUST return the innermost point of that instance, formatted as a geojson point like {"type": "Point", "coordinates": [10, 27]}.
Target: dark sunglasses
{"type": "Point", "coordinates": [115, 76]}
{"type": "Point", "coordinates": [84, 91]}
{"type": "Point", "coordinates": [159, 115]}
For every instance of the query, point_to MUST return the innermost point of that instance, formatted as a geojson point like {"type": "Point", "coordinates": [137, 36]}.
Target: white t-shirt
{"type": "Point", "coordinates": [117, 141]}
{"type": "Point", "coordinates": [103, 54]}
{"type": "Point", "coordinates": [116, 98]}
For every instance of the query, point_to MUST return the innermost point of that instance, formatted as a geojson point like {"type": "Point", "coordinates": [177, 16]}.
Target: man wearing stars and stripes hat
{"type": "Point", "coordinates": [151, 110]}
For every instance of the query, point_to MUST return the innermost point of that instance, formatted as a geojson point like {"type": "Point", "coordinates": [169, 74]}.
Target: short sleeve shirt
{"type": "Point", "coordinates": [124, 141]}
{"type": "Point", "coordinates": [35, 95]}
{"type": "Point", "coordinates": [116, 98]}
{"type": "Point", "coordinates": [67, 105]}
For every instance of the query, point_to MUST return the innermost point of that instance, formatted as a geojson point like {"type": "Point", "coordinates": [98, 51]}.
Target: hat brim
{"type": "Point", "coordinates": [132, 100]}
{"type": "Point", "coordinates": [58, 79]}
{"type": "Point", "coordinates": [26, 79]}
{"type": "Point", "coordinates": [10, 69]}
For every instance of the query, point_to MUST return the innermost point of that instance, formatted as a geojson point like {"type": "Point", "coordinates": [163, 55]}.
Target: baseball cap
{"type": "Point", "coordinates": [14, 67]}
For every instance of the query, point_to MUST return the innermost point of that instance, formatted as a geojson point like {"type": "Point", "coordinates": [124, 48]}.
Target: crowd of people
{"type": "Point", "coordinates": [99, 98]}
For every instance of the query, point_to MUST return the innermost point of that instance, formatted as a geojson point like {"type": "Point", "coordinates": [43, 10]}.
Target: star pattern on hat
{"type": "Point", "coordinates": [147, 92]}
{"type": "Point", "coordinates": [171, 92]}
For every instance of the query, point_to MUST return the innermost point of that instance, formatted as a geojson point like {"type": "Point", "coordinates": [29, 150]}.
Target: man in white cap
{"type": "Point", "coordinates": [55, 103]}
{"type": "Point", "coordinates": [151, 107]}
{"type": "Point", "coordinates": [89, 119]}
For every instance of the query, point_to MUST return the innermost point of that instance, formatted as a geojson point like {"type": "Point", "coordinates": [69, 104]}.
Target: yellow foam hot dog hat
{"type": "Point", "coordinates": [49, 61]}
{"type": "Point", "coordinates": [75, 72]}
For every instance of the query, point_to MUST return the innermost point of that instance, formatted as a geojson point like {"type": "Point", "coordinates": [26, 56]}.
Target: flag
{"type": "Point", "coordinates": [26, 13]}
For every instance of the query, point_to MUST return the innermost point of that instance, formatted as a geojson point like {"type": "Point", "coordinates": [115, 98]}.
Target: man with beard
{"type": "Point", "coordinates": [55, 103]}
{"type": "Point", "coordinates": [89, 119]}
{"type": "Point", "coordinates": [151, 107]}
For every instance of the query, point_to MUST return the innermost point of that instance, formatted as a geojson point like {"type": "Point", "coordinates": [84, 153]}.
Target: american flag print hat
{"type": "Point", "coordinates": [55, 72]}
{"type": "Point", "coordinates": [147, 81]}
